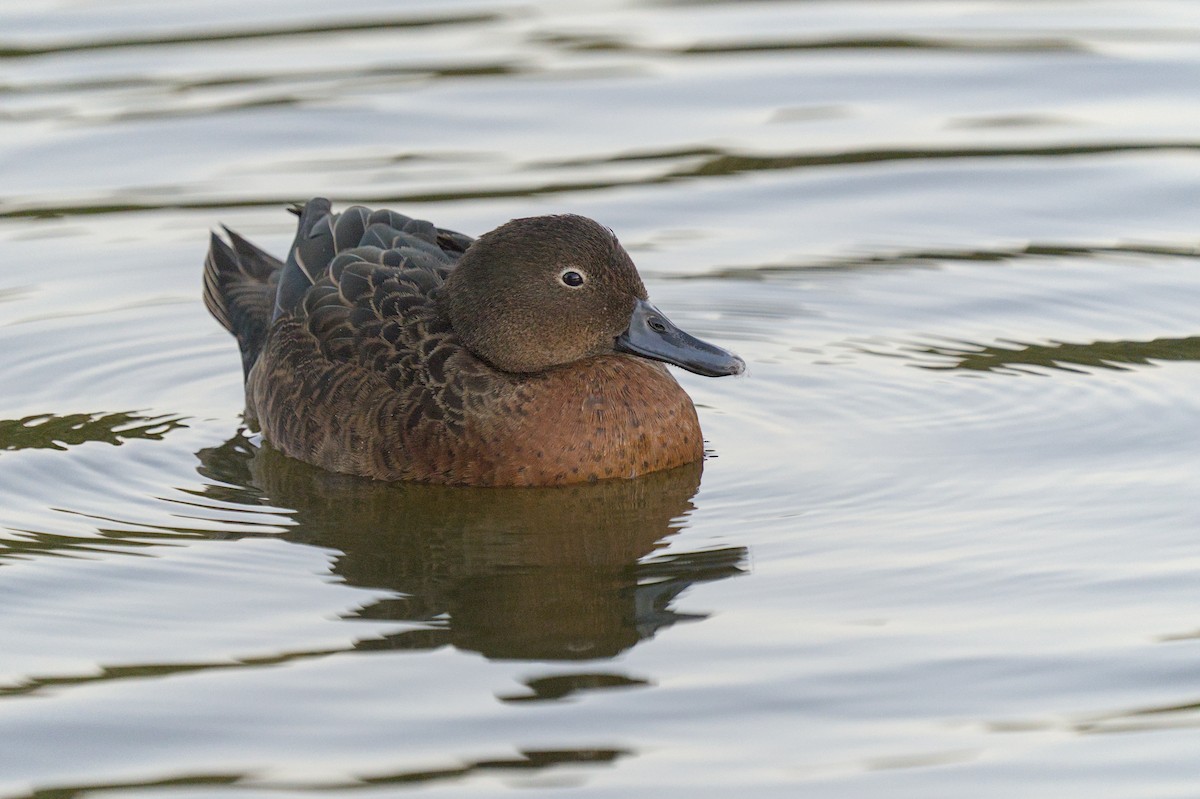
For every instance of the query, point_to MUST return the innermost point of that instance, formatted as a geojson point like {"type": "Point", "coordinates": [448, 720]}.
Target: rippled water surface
{"type": "Point", "coordinates": [947, 541]}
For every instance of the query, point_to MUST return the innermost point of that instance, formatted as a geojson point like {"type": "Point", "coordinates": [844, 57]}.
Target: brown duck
{"type": "Point", "coordinates": [392, 349]}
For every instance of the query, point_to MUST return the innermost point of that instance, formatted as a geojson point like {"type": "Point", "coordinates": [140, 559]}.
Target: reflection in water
{"type": "Point", "coordinates": [80, 791]}
{"type": "Point", "coordinates": [328, 27]}
{"type": "Point", "coordinates": [731, 163]}
{"type": "Point", "coordinates": [561, 686]}
{"type": "Point", "coordinates": [910, 258]}
{"type": "Point", "coordinates": [511, 573]}
{"type": "Point", "coordinates": [529, 760]}
{"type": "Point", "coordinates": [1150, 718]}
{"type": "Point", "coordinates": [694, 163]}
{"type": "Point", "coordinates": [1143, 719]}
{"type": "Point", "coordinates": [1096, 355]}
{"type": "Point", "coordinates": [926, 42]}
{"type": "Point", "coordinates": [591, 42]}
{"type": "Point", "coordinates": [47, 431]}
{"type": "Point", "coordinates": [526, 760]}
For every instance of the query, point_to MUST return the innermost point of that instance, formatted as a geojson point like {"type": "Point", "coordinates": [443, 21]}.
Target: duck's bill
{"type": "Point", "coordinates": [652, 335]}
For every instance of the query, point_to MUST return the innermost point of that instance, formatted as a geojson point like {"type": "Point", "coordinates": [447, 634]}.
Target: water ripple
{"type": "Point", "coordinates": [711, 164]}
{"type": "Point", "coordinates": [906, 259]}
{"type": "Point", "coordinates": [1018, 357]}
{"type": "Point", "coordinates": [957, 248]}
{"type": "Point", "coordinates": [328, 27]}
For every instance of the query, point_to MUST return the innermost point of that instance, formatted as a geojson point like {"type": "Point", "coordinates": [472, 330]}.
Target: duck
{"type": "Point", "coordinates": [391, 349]}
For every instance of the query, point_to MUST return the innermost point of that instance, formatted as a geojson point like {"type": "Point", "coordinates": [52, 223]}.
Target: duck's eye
{"type": "Point", "coordinates": [572, 278]}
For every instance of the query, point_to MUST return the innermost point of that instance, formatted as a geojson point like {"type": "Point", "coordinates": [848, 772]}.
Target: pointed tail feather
{"type": "Point", "coordinates": [240, 282]}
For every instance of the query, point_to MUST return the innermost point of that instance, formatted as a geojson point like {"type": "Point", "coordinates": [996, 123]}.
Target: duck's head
{"type": "Point", "coordinates": [550, 290]}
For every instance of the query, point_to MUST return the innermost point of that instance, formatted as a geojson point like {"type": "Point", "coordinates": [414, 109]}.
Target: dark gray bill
{"type": "Point", "coordinates": [653, 335]}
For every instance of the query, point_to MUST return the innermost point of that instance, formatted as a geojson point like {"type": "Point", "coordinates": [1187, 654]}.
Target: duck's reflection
{"type": "Point", "coordinates": [546, 574]}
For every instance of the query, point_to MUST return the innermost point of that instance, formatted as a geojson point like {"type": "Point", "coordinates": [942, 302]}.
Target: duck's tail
{"type": "Point", "coordinates": [246, 289]}
{"type": "Point", "coordinates": [240, 283]}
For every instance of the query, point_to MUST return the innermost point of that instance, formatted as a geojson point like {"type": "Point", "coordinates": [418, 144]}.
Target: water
{"type": "Point", "coordinates": [945, 543]}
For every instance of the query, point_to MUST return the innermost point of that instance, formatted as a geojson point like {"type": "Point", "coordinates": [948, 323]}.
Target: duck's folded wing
{"type": "Point", "coordinates": [322, 236]}
{"type": "Point", "coordinates": [370, 300]}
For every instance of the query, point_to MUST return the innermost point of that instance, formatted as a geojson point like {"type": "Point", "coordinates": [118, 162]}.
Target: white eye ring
{"type": "Point", "coordinates": [572, 278]}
